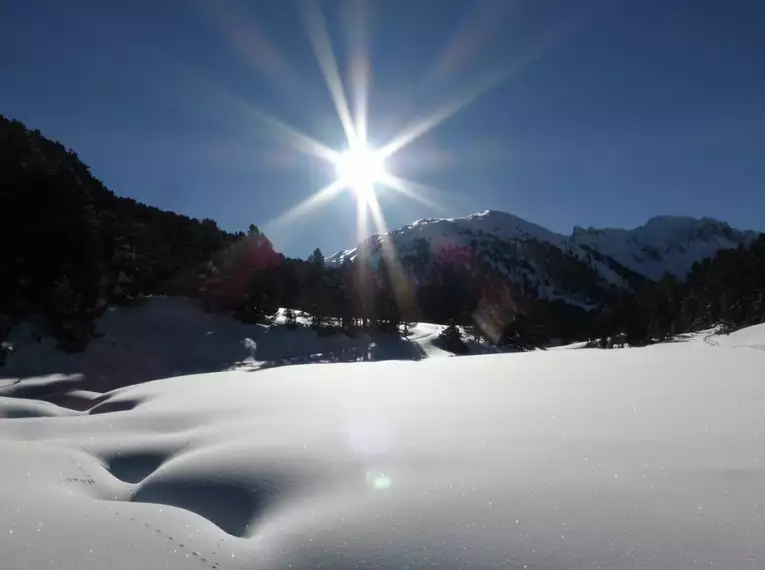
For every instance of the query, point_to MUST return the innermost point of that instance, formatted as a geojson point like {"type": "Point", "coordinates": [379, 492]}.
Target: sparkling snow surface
{"type": "Point", "coordinates": [630, 458]}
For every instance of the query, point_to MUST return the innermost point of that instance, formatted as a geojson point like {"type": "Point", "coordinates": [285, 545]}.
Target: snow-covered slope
{"type": "Point", "coordinates": [170, 336]}
{"type": "Point", "coordinates": [664, 244]}
{"type": "Point", "coordinates": [554, 265]}
{"type": "Point", "coordinates": [632, 458]}
{"type": "Point", "coordinates": [452, 231]}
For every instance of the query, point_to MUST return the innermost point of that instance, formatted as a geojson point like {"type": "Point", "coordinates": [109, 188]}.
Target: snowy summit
{"type": "Point", "coordinates": [664, 244]}
{"type": "Point", "coordinates": [548, 265]}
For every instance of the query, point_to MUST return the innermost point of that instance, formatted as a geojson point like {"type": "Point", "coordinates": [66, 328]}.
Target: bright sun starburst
{"type": "Point", "coordinates": [359, 169]}
{"type": "Point", "coordinates": [362, 168]}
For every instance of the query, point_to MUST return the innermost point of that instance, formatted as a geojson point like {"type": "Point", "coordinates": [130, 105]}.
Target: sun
{"type": "Point", "coordinates": [360, 169]}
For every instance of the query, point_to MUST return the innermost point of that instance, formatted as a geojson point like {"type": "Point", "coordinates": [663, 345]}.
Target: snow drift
{"type": "Point", "coordinates": [629, 458]}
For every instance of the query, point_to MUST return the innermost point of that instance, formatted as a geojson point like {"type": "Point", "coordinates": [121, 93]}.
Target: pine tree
{"type": "Point", "coordinates": [316, 258]}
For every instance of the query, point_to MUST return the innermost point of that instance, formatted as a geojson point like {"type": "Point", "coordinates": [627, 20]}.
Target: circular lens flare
{"type": "Point", "coordinates": [360, 169]}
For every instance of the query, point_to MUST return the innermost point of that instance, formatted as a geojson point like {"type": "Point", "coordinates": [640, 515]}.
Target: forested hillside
{"type": "Point", "coordinates": [71, 247]}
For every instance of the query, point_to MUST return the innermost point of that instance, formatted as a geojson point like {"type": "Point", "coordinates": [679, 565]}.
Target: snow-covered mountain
{"type": "Point", "coordinates": [580, 268]}
{"type": "Point", "coordinates": [663, 244]}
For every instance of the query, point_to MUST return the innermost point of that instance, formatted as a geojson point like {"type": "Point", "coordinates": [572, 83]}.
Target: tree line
{"type": "Point", "coordinates": [71, 247]}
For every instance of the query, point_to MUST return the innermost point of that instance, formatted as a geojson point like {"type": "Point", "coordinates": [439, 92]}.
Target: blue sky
{"type": "Point", "coordinates": [598, 112]}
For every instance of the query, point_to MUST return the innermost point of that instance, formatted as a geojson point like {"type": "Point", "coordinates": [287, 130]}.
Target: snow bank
{"type": "Point", "coordinates": [636, 458]}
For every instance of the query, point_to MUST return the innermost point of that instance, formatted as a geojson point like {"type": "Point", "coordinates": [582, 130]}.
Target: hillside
{"type": "Point", "coordinates": [72, 246]}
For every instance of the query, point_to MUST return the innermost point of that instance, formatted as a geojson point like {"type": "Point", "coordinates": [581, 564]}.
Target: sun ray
{"type": "Point", "coordinates": [473, 34]}
{"type": "Point", "coordinates": [359, 67]}
{"type": "Point", "coordinates": [316, 28]}
{"type": "Point", "coordinates": [359, 82]}
{"type": "Point", "coordinates": [250, 41]}
{"type": "Point", "coordinates": [419, 127]}
{"type": "Point", "coordinates": [288, 134]}
{"type": "Point", "coordinates": [377, 215]}
{"type": "Point", "coordinates": [523, 59]}
{"type": "Point", "coordinates": [293, 137]}
{"type": "Point", "coordinates": [307, 205]}
{"type": "Point", "coordinates": [412, 190]}
{"type": "Point", "coordinates": [362, 227]}
{"type": "Point", "coordinates": [396, 273]}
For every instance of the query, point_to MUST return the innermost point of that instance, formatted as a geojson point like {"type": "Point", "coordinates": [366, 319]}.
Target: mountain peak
{"type": "Point", "coordinates": [665, 243]}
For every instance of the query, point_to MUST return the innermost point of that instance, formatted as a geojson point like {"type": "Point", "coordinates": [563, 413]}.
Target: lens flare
{"type": "Point", "coordinates": [379, 481]}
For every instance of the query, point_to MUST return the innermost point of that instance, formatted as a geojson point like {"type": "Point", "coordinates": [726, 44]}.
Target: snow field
{"type": "Point", "coordinates": [633, 458]}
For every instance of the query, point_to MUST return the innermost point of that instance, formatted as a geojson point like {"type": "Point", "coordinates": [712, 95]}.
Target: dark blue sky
{"type": "Point", "coordinates": [608, 112]}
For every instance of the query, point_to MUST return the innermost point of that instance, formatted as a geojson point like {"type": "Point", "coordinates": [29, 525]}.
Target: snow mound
{"type": "Point", "coordinates": [638, 458]}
